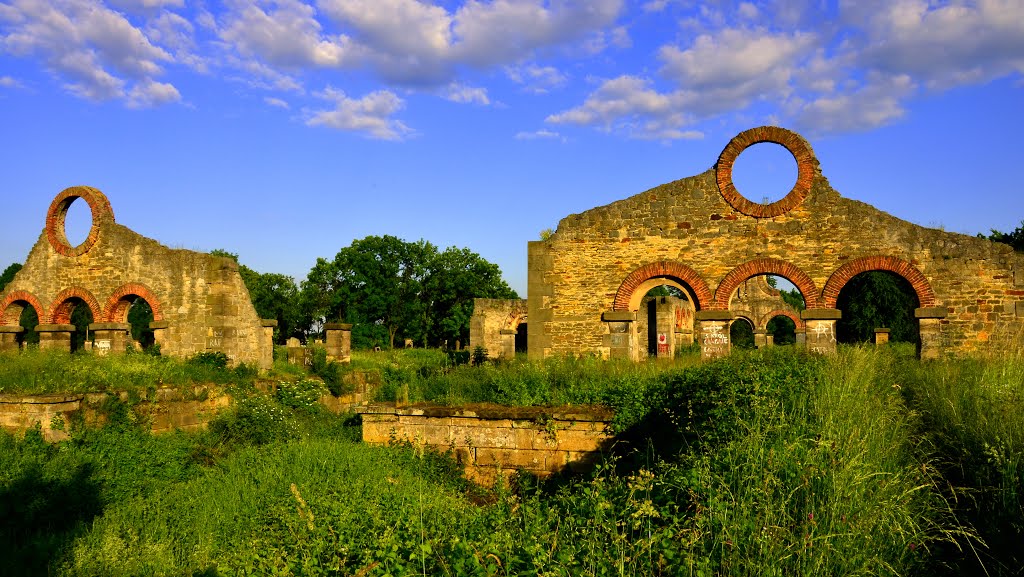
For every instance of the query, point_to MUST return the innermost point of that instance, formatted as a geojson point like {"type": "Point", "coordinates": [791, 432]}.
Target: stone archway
{"type": "Point", "coordinates": [842, 275]}
{"type": "Point", "coordinates": [776, 267]}
{"type": "Point", "coordinates": [638, 282]}
{"type": "Point", "coordinates": [11, 309]}
{"type": "Point", "coordinates": [118, 304]}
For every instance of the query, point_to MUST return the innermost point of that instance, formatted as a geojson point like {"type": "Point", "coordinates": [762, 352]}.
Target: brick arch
{"type": "Point", "coordinates": [842, 275]}
{"type": "Point", "coordinates": [799, 322]}
{"type": "Point", "coordinates": [60, 308]}
{"type": "Point", "coordinates": [101, 211]}
{"type": "Point", "coordinates": [663, 268]}
{"type": "Point", "coordinates": [807, 167]}
{"type": "Point", "coordinates": [19, 296]}
{"type": "Point", "coordinates": [116, 310]}
{"type": "Point", "coordinates": [786, 270]}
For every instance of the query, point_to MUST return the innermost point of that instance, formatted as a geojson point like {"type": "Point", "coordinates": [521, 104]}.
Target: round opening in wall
{"type": "Point", "coordinates": [791, 197]}
{"type": "Point", "coordinates": [74, 227]}
{"type": "Point", "coordinates": [77, 222]}
{"type": "Point", "coordinates": [765, 173]}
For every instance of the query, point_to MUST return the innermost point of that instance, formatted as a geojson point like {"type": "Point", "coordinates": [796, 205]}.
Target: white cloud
{"type": "Point", "coordinates": [371, 114]}
{"type": "Point", "coordinates": [276, 102]}
{"type": "Point", "coordinates": [941, 44]}
{"type": "Point", "coordinates": [97, 52]}
{"type": "Point", "coordinates": [628, 105]}
{"type": "Point", "coordinates": [541, 134]}
{"type": "Point", "coordinates": [536, 79]}
{"type": "Point", "coordinates": [288, 35]}
{"type": "Point", "coordinates": [467, 94]}
{"type": "Point", "coordinates": [146, 4]}
{"type": "Point", "coordinates": [655, 5]}
{"type": "Point", "coordinates": [150, 93]}
{"type": "Point", "coordinates": [9, 82]}
{"type": "Point", "coordinates": [748, 11]}
{"type": "Point", "coordinates": [875, 104]}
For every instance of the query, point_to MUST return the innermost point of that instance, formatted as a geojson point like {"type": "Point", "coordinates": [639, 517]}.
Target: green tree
{"type": "Point", "coordinates": [1014, 239]}
{"type": "Point", "coordinates": [877, 299]}
{"type": "Point", "coordinates": [454, 278]}
{"type": "Point", "coordinates": [8, 274]}
{"type": "Point", "coordinates": [273, 295]}
{"type": "Point", "coordinates": [391, 289]}
{"type": "Point", "coordinates": [375, 284]}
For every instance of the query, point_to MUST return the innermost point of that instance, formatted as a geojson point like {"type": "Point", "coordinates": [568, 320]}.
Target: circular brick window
{"type": "Point", "coordinates": [56, 219]}
{"type": "Point", "coordinates": [791, 141]}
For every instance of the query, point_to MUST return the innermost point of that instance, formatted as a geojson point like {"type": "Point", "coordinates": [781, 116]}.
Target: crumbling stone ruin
{"type": "Point", "coordinates": [199, 301]}
{"type": "Point", "coordinates": [499, 326]}
{"type": "Point", "coordinates": [588, 279]}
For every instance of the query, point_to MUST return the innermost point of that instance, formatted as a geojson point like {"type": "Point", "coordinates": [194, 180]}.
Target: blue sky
{"type": "Point", "coordinates": [283, 130]}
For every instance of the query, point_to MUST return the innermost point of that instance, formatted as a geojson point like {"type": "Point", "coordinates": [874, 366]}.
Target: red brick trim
{"type": "Point", "coordinates": [116, 310]}
{"type": "Point", "coordinates": [786, 270]}
{"type": "Point", "coordinates": [664, 268]}
{"type": "Point", "coordinates": [805, 161]}
{"type": "Point", "coordinates": [842, 275]}
{"type": "Point", "coordinates": [55, 217]}
{"type": "Point", "coordinates": [60, 308]}
{"type": "Point", "coordinates": [20, 296]}
{"type": "Point", "coordinates": [782, 313]}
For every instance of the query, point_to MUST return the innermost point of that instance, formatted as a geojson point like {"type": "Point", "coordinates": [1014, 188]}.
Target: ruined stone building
{"type": "Point", "coordinates": [587, 281]}
{"type": "Point", "coordinates": [199, 301]}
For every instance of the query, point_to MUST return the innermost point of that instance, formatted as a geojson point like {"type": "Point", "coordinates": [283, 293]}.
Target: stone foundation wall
{"type": "Point", "coordinates": [494, 324]}
{"type": "Point", "coordinates": [490, 441]}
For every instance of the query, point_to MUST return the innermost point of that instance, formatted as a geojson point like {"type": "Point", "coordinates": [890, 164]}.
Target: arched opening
{"type": "Point", "coordinates": [28, 319]}
{"type": "Point", "coordinates": [81, 316]}
{"type": "Point", "coordinates": [877, 299]}
{"type": "Point", "coordinates": [764, 297]}
{"type": "Point", "coordinates": [741, 333]}
{"type": "Point", "coordinates": [140, 315]}
{"type": "Point", "coordinates": [521, 338]}
{"type": "Point", "coordinates": [782, 329]}
{"type": "Point", "coordinates": [665, 319]}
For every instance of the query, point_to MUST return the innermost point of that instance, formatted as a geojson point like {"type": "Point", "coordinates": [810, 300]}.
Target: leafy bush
{"type": "Point", "coordinates": [210, 359]}
{"type": "Point", "coordinates": [304, 394]}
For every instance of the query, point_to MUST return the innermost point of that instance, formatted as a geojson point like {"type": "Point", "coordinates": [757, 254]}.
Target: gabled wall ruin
{"type": "Point", "coordinates": [199, 301]}
{"type": "Point", "coordinates": [587, 280]}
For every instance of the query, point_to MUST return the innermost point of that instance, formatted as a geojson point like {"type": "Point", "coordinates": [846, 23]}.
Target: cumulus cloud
{"type": "Point", "coordinates": [9, 82]}
{"type": "Point", "coordinates": [536, 79]}
{"type": "Point", "coordinates": [286, 35]}
{"type": "Point", "coordinates": [98, 52]}
{"type": "Point", "coordinates": [467, 94]}
{"type": "Point", "coordinates": [940, 45]}
{"type": "Point", "coordinates": [370, 115]}
{"type": "Point", "coordinates": [876, 103]}
{"type": "Point", "coordinates": [629, 105]}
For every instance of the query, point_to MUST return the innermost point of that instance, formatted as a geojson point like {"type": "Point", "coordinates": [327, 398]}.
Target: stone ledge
{"type": "Point", "coordinates": [10, 329]}
{"type": "Point", "coordinates": [55, 328]}
{"type": "Point", "coordinates": [490, 411]}
{"type": "Point", "coordinates": [268, 323]}
{"type": "Point", "coordinates": [618, 316]}
{"type": "Point", "coordinates": [157, 325]}
{"type": "Point", "coordinates": [337, 327]}
{"type": "Point", "coordinates": [110, 327]}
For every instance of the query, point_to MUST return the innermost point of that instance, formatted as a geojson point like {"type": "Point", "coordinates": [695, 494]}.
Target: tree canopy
{"type": "Point", "coordinates": [391, 289]}
{"type": "Point", "coordinates": [877, 299]}
{"type": "Point", "coordinates": [1014, 239]}
{"type": "Point", "coordinates": [8, 274]}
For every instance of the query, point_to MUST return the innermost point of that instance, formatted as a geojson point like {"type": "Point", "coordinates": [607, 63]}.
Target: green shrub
{"type": "Point", "coordinates": [210, 359]}
{"type": "Point", "coordinates": [304, 394]}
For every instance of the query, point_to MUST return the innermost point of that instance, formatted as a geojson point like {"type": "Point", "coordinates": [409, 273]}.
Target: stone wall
{"type": "Point", "coordinates": [494, 325]}
{"type": "Point", "coordinates": [167, 409]}
{"type": "Point", "coordinates": [702, 234]}
{"type": "Point", "coordinates": [199, 301]}
{"type": "Point", "coordinates": [491, 440]}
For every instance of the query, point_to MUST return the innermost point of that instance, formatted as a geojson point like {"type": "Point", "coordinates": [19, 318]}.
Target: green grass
{"type": "Point", "coordinates": [765, 463]}
{"type": "Point", "coordinates": [38, 372]}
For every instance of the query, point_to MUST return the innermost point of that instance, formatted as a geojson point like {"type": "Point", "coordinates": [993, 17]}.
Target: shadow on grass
{"type": "Point", "coordinates": [40, 517]}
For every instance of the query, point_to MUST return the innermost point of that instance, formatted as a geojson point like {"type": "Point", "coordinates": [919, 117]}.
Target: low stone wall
{"type": "Point", "coordinates": [167, 409]}
{"type": "Point", "coordinates": [490, 441]}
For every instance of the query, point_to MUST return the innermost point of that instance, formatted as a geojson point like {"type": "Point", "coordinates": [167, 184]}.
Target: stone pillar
{"type": "Point", "coordinates": [931, 343]}
{"type": "Point", "coordinates": [801, 337]}
{"type": "Point", "coordinates": [881, 337]}
{"type": "Point", "coordinates": [760, 339]}
{"type": "Point", "coordinates": [714, 333]}
{"type": "Point", "coordinates": [9, 337]}
{"type": "Point", "coordinates": [820, 328]}
{"type": "Point", "coordinates": [508, 344]}
{"type": "Point", "coordinates": [621, 340]}
{"type": "Point", "coordinates": [769, 340]}
{"type": "Point", "coordinates": [110, 338]}
{"type": "Point", "coordinates": [665, 324]}
{"type": "Point", "coordinates": [160, 339]}
{"type": "Point", "coordinates": [339, 342]}
{"type": "Point", "coordinates": [55, 337]}
{"type": "Point", "coordinates": [267, 344]}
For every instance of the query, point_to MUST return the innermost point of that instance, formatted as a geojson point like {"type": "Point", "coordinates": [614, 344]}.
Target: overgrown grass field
{"type": "Point", "coordinates": [767, 463]}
